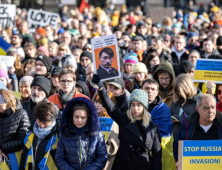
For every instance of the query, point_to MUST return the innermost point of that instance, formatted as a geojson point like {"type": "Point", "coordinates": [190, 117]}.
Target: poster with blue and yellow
{"type": "Point", "coordinates": [208, 69]}
{"type": "Point", "coordinates": [200, 155]}
{"type": "Point", "coordinates": [105, 126]}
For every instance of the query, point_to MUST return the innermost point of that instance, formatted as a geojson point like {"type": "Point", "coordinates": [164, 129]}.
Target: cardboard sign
{"type": "Point", "coordinates": [7, 15]}
{"type": "Point", "coordinates": [201, 154]}
{"type": "Point", "coordinates": [8, 60]}
{"type": "Point", "coordinates": [208, 69]}
{"type": "Point", "coordinates": [37, 18]}
{"type": "Point", "coordinates": [106, 57]}
{"type": "Point", "coordinates": [105, 126]}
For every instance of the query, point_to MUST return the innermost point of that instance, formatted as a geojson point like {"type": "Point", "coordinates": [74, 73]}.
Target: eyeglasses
{"type": "Point", "coordinates": [219, 92]}
{"type": "Point", "coordinates": [66, 81]}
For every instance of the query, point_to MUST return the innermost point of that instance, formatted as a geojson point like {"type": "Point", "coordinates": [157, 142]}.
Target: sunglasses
{"type": "Point", "coordinates": [219, 92]}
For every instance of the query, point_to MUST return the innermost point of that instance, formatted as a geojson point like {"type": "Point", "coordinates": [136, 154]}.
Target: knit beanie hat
{"type": "Point", "coordinates": [185, 67]}
{"type": "Point", "coordinates": [3, 73]}
{"type": "Point", "coordinates": [44, 50]}
{"type": "Point", "coordinates": [46, 60]}
{"type": "Point", "coordinates": [141, 96]}
{"type": "Point", "coordinates": [41, 31]}
{"type": "Point", "coordinates": [86, 54]}
{"type": "Point", "coordinates": [132, 58]}
{"type": "Point", "coordinates": [42, 82]}
{"type": "Point", "coordinates": [140, 68]}
{"type": "Point", "coordinates": [28, 79]}
{"type": "Point", "coordinates": [69, 59]}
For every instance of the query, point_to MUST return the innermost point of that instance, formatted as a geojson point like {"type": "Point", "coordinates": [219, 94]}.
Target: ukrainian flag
{"type": "Point", "coordinates": [28, 140]}
{"type": "Point", "coordinates": [3, 46]}
{"type": "Point", "coordinates": [15, 160]}
{"type": "Point", "coordinates": [47, 163]}
{"type": "Point", "coordinates": [4, 166]}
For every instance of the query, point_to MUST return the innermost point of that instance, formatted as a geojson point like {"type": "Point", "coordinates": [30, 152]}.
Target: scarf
{"type": "Point", "coordinates": [41, 133]}
{"type": "Point", "coordinates": [140, 55]}
{"type": "Point", "coordinates": [65, 98]}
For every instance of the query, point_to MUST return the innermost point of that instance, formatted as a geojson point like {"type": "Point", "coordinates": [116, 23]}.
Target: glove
{"type": "Point", "coordinates": [95, 82]}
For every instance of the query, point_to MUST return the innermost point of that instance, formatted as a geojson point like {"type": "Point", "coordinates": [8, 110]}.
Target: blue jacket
{"type": "Point", "coordinates": [90, 141]}
{"type": "Point", "coordinates": [188, 128]}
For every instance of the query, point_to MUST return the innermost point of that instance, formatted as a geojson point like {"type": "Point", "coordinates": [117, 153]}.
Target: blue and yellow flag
{"type": "Point", "coordinates": [14, 159]}
{"type": "Point", "coordinates": [3, 165]}
{"type": "Point", "coordinates": [3, 46]}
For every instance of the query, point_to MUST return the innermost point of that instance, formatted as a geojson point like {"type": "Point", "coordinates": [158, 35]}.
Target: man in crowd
{"type": "Point", "coordinates": [179, 53]}
{"type": "Point", "coordinates": [204, 124]}
{"type": "Point", "coordinates": [219, 45]}
{"type": "Point", "coordinates": [43, 66]}
{"type": "Point", "coordinates": [208, 48]}
{"type": "Point", "coordinates": [16, 42]}
{"type": "Point", "coordinates": [89, 76]}
{"type": "Point", "coordinates": [165, 76]}
{"type": "Point", "coordinates": [40, 89]}
{"type": "Point", "coordinates": [105, 70]}
{"type": "Point", "coordinates": [138, 47]}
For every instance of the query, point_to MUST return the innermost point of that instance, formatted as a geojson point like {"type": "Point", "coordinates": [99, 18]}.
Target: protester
{"type": "Point", "coordinates": [137, 134]}
{"type": "Point", "coordinates": [43, 136]}
{"type": "Point", "coordinates": [55, 87]}
{"type": "Point", "coordinates": [85, 60]}
{"type": "Point", "coordinates": [81, 137]}
{"type": "Point", "coordinates": [43, 66]}
{"type": "Point", "coordinates": [14, 123]}
{"type": "Point", "coordinates": [25, 88]}
{"type": "Point", "coordinates": [40, 88]}
{"type": "Point", "coordinates": [152, 60]}
{"type": "Point", "coordinates": [165, 76]}
{"type": "Point", "coordinates": [184, 100]}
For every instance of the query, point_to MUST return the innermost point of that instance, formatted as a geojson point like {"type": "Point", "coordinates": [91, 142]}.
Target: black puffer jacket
{"type": "Point", "coordinates": [13, 128]}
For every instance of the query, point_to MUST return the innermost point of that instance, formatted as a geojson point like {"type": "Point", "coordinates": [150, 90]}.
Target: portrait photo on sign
{"type": "Point", "coordinates": [106, 62]}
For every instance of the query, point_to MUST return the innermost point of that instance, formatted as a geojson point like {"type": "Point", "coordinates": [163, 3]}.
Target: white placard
{"type": "Point", "coordinates": [37, 18]}
{"type": "Point", "coordinates": [69, 2]}
{"type": "Point", "coordinates": [7, 15]}
{"type": "Point", "coordinates": [8, 60]}
{"type": "Point", "coordinates": [106, 57]}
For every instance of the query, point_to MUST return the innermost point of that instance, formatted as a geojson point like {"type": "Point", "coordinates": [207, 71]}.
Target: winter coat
{"type": "Point", "coordinates": [176, 61]}
{"type": "Point", "coordinates": [188, 129]}
{"type": "Point", "coordinates": [40, 149]}
{"type": "Point", "coordinates": [122, 103]}
{"type": "Point", "coordinates": [181, 112]}
{"type": "Point", "coordinates": [134, 151]}
{"type": "Point", "coordinates": [13, 127]}
{"type": "Point", "coordinates": [166, 93]}
{"type": "Point", "coordinates": [91, 141]}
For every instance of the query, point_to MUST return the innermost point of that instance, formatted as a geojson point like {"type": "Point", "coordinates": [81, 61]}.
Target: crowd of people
{"type": "Point", "coordinates": [153, 104]}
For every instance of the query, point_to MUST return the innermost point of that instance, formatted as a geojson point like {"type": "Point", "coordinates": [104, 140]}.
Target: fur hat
{"type": "Point", "coordinates": [141, 96]}
{"type": "Point", "coordinates": [69, 59]}
{"type": "Point", "coordinates": [140, 68]}
{"type": "Point", "coordinates": [42, 82]}
{"type": "Point", "coordinates": [46, 60]}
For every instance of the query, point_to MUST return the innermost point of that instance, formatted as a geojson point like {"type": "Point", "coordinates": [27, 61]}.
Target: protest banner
{"type": "Point", "coordinates": [201, 154]}
{"type": "Point", "coordinates": [8, 60]}
{"type": "Point", "coordinates": [38, 18]}
{"type": "Point", "coordinates": [208, 69]}
{"type": "Point", "coordinates": [106, 57]}
{"type": "Point", "coordinates": [105, 126]}
{"type": "Point", "coordinates": [7, 15]}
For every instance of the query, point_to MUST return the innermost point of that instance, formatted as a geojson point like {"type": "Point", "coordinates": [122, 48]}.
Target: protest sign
{"type": "Point", "coordinates": [201, 154]}
{"type": "Point", "coordinates": [7, 15]}
{"type": "Point", "coordinates": [37, 18]}
{"type": "Point", "coordinates": [105, 126]}
{"type": "Point", "coordinates": [8, 60]}
{"type": "Point", "coordinates": [208, 69]}
{"type": "Point", "coordinates": [106, 57]}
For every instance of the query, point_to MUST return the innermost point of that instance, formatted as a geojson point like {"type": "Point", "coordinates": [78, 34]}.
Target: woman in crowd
{"type": "Point", "coordinates": [41, 141]}
{"type": "Point", "coordinates": [25, 88]}
{"type": "Point", "coordinates": [14, 123]}
{"type": "Point", "coordinates": [55, 80]}
{"type": "Point", "coordinates": [151, 61]}
{"type": "Point", "coordinates": [112, 143]}
{"type": "Point", "coordinates": [184, 100]}
{"type": "Point", "coordinates": [81, 144]}
{"type": "Point", "coordinates": [193, 56]}
{"type": "Point", "coordinates": [138, 136]}
{"type": "Point", "coordinates": [30, 51]}
{"type": "Point", "coordinates": [140, 73]}
{"type": "Point", "coordinates": [28, 66]}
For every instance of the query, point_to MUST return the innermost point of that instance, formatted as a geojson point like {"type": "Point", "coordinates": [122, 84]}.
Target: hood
{"type": "Point", "coordinates": [165, 66]}
{"type": "Point", "coordinates": [93, 121]}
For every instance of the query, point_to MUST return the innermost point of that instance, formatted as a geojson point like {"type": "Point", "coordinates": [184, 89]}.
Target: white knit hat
{"type": "Point", "coordinates": [140, 68]}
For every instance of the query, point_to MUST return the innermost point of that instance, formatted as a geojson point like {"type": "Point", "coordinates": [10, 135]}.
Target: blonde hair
{"type": "Point", "coordinates": [9, 98]}
{"type": "Point", "coordinates": [132, 84]}
{"type": "Point", "coordinates": [64, 47]}
{"type": "Point", "coordinates": [186, 88]}
{"type": "Point", "coordinates": [146, 117]}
